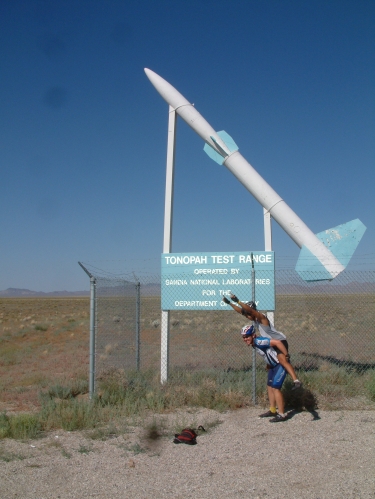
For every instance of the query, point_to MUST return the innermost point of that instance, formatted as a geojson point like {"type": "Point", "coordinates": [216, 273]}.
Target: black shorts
{"type": "Point", "coordinates": [285, 343]}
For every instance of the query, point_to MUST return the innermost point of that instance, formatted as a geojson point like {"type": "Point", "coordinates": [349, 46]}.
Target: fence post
{"type": "Point", "coordinates": [137, 325]}
{"type": "Point", "coordinates": [254, 368]}
{"type": "Point", "coordinates": [92, 331]}
{"type": "Point", "coordinates": [92, 336]}
{"type": "Point", "coordinates": [164, 364]}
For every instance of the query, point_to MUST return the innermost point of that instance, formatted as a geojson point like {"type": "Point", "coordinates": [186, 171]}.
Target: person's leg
{"type": "Point", "coordinates": [271, 397]}
{"type": "Point", "coordinates": [289, 368]}
{"type": "Point", "coordinates": [286, 365]}
{"type": "Point", "coordinates": [277, 383]}
{"type": "Point", "coordinates": [279, 400]}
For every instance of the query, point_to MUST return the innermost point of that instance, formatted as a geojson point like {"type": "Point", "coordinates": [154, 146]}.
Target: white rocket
{"type": "Point", "coordinates": [323, 256]}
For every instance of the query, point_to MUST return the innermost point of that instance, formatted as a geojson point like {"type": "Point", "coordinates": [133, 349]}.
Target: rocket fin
{"type": "Point", "coordinates": [310, 268]}
{"type": "Point", "coordinates": [342, 241]}
{"type": "Point", "coordinates": [229, 142]}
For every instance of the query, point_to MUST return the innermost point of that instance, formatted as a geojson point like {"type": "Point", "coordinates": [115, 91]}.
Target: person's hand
{"type": "Point", "coordinates": [234, 298]}
{"type": "Point", "coordinates": [225, 300]}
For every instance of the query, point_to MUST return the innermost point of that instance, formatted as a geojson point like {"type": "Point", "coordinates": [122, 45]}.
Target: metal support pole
{"type": "Point", "coordinates": [254, 369]}
{"type": "Point", "coordinates": [267, 230]}
{"type": "Point", "coordinates": [167, 241]}
{"type": "Point", "coordinates": [138, 326]}
{"type": "Point", "coordinates": [92, 331]}
{"type": "Point", "coordinates": [92, 336]}
{"type": "Point", "coordinates": [268, 247]}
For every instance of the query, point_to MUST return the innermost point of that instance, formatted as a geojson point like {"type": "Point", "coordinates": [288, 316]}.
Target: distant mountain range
{"type": "Point", "coordinates": [327, 288]}
{"type": "Point", "coordinates": [25, 293]}
{"type": "Point", "coordinates": [154, 289]}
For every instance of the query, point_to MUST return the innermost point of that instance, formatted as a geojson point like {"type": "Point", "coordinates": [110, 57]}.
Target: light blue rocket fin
{"type": "Point", "coordinates": [229, 142]}
{"type": "Point", "coordinates": [310, 268]}
{"type": "Point", "coordinates": [341, 240]}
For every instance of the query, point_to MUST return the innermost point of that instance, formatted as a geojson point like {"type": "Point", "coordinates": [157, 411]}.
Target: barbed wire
{"type": "Point", "coordinates": [364, 261]}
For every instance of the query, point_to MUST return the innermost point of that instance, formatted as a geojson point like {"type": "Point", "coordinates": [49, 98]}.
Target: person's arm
{"type": "Point", "coordinates": [250, 312]}
{"type": "Point", "coordinates": [235, 307]}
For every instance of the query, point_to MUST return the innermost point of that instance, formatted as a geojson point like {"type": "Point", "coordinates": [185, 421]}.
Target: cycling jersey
{"type": "Point", "coordinates": [277, 373]}
{"type": "Point", "coordinates": [263, 347]}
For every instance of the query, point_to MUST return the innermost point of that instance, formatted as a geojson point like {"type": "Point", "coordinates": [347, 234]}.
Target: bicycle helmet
{"type": "Point", "coordinates": [247, 331]}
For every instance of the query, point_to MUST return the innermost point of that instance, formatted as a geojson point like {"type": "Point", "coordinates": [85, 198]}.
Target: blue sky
{"type": "Point", "coordinates": [83, 132]}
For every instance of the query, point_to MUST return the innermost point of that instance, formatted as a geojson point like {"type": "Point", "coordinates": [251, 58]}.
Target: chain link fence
{"type": "Point", "coordinates": [329, 326]}
{"type": "Point", "coordinates": [117, 324]}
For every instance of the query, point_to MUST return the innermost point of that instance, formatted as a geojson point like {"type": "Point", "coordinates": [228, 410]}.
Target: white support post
{"type": "Point", "coordinates": [268, 246]}
{"type": "Point", "coordinates": [167, 241]}
{"type": "Point", "coordinates": [267, 230]}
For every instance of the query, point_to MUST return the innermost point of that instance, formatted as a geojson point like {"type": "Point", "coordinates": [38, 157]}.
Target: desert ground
{"type": "Point", "coordinates": [242, 456]}
{"type": "Point", "coordinates": [45, 341]}
{"type": "Point", "coordinates": [42, 341]}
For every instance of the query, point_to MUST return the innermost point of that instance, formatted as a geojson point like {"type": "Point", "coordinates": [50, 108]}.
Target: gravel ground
{"type": "Point", "coordinates": [243, 457]}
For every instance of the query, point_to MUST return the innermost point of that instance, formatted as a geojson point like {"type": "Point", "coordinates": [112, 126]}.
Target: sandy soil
{"type": "Point", "coordinates": [242, 457]}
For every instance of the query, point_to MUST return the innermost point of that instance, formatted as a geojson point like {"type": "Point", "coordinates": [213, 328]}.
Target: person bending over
{"type": "Point", "coordinates": [276, 372]}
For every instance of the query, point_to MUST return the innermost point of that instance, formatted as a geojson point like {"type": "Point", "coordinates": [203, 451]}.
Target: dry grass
{"type": "Point", "coordinates": [42, 341]}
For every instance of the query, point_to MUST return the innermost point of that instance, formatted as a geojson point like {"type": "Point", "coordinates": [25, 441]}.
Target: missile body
{"type": "Point", "coordinates": [316, 256]}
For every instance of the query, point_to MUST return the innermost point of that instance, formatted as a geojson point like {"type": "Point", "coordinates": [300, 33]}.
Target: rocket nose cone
{"type": "Point", "coordinates": [151, 75]}
{"type": "Point", "coordinates": [166, 90]}
{"type": "Point", "coordinates": [157, 81]}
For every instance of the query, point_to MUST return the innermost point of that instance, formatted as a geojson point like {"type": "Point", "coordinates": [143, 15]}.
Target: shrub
{"type": "Point", "coordinates": [39, 327]}
{"type": "Point", "coordinates": [69, 415]}
{"type": "Point", "coordinates": [77, 387]}
{"type": "Point", "coordinates": [370, 386]}
{"type": "Point", "coordinates": [19, 426]}
{"type": "Point", "coordinates": [4, 425]}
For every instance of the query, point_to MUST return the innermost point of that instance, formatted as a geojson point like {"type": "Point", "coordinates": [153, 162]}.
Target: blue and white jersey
{"type": "Point", "coordinates": [263, 347]}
